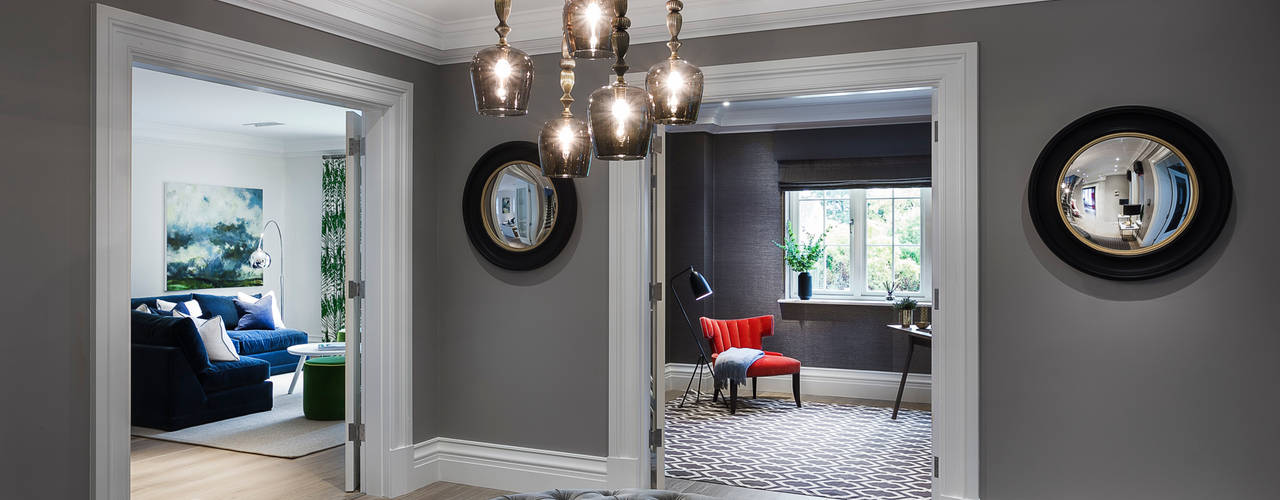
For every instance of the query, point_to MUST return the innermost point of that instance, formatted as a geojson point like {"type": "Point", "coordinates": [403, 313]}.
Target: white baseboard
{"type": "Point", "coordinates": [864, 384]}
{"type": "Point", "coordinates": [504, 467]}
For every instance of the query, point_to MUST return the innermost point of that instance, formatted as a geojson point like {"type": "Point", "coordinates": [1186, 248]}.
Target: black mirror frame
{"type": "Point", "coordinates": [1214, 202]}
{"type": "Point", "coordinates": [473, 220]}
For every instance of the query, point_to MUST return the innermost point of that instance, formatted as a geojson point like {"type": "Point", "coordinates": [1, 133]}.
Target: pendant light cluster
{"type": "Point", "coordinates": [620, 117]}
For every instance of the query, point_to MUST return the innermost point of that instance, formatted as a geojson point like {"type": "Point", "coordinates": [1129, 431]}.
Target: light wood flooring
{"type": "Point", "coordinates": [162, 470]}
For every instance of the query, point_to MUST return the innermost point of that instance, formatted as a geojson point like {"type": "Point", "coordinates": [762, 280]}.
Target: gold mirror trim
{"type": "Point", "coordinates": [486, 202]}
{"type": "Point", "coordinates": [1191, 209]}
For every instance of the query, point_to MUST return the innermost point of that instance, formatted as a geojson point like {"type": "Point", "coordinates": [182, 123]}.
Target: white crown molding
{"type": "Point", "coordinates": [503, 467]}
{"type": "Point", "coordinates": [861, 384]}
{"type": "Point", "coordinates": [391, 26]}
{"type": "Point", "coordinates": [212, 140]}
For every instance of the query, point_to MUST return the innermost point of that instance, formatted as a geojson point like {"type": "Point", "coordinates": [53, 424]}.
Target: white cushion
{"type": "Point", "coordinates": [143, 308]}
{"type": "Point", "coordinates": [193, 307]}
{"type": "Point", "coordinates": [165, 306]}
{"type": "Point", "coordinates": [275, 305]}
{"type": "Point", "coordinates": [214, 335]}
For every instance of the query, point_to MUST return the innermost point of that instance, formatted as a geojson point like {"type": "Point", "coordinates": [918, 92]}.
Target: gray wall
{"type": "Point", "coordinates": [725, 210]}
{"type": "Point", "coordinates": [45, 113]}
{"type": "Point", "coordinates": [1139, 390]}
{"type": "Point", "coordinates": [1090, 389]}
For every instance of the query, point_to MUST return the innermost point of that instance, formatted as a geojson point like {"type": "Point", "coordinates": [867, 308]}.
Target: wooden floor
{"type": "Point", "coordinates": [162, 470]}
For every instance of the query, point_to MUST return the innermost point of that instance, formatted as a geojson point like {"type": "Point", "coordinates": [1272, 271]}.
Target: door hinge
{"type": "Point", "coordinates": [935, 131]}
{"type": "Point", "coordinates": [355, 289]}
{"type": "Point", "coordinates": [936, 461]}
{"type": "Point", "coordinates": [937, 296]}
{"type": "Point", "coordinates": [655, 438]}
{"type": "Point", "coordinates": [655, 145]}
{"type": "Point", "coordinates": [655, 292]}
{"type": "Point", "coordinates": [355, 432]}
{"type": "Point", "coordinates": [354, 146]}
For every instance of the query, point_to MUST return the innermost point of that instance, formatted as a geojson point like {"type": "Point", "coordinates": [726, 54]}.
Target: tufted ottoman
{"type": "Point", "coordinates": [606, 495]}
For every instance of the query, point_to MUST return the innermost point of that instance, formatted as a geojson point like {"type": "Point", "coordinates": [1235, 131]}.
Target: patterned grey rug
{"type": "Point", "coordinates": [282, 432]}
{"type": "Point", "coordinates": [823, 450]}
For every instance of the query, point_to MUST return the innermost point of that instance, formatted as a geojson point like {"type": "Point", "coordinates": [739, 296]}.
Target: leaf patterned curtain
{"type": "Point", "coordinates": [333, 234]}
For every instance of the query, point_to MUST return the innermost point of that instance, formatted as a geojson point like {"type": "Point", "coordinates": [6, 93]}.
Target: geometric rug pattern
{"type": "Point", "coordinates": [823, 449]}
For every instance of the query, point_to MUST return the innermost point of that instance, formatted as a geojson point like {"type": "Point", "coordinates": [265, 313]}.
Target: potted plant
{"type": "Point", "coordinates": [906, 307]}
{"type": "Point", "coordinates": [802, 258]}
{"type": "Point", "coordinates": [890, 286]}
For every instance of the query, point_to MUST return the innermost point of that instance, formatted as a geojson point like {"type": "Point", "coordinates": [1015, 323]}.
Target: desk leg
{"type": "Point", "coordinates": [303, 359]}
{"type": "Point", "coordinates": [897, 403]}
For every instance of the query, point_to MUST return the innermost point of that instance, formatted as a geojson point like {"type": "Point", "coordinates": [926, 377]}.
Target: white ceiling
{"type": "Point", "coordinates": [877, 107]}
{"type": "Point", "coordinates": [168, 106]}
{"type": "Point", "coordinates": [1114, 157]}
{"type": "Point", "coordinates": [449, 31]}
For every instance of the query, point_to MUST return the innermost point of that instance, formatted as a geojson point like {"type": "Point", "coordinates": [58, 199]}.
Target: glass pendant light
{"type": "Point", "coordinates": [676, 85]}
{"type": "Point", "coordinates": [564, 146]}
{"type": "Point", "coordinates": [502, 75]}
{"type": "Point", "coordinates": [587, 24]}
{"type": "Point", "coordinates": [620, 116]}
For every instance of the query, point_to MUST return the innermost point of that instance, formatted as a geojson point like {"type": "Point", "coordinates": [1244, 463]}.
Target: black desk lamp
{"type": "Point", "coordinates": [701, 290]}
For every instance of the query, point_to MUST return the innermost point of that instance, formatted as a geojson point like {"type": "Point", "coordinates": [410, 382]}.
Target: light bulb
{"type": "Point", "coordinates": [565, 136]}
{"type": "Point", "coordinates": [502, 68]}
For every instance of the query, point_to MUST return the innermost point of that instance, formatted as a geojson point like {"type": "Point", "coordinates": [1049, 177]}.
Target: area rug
{"type": "Point", "coordinates": [282, 432]}
{"type": "Point", "coordinates": [823, 450]}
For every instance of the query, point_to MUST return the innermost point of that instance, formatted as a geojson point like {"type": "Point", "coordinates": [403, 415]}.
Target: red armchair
{"type": "Point", "coordinates": [747, 333]}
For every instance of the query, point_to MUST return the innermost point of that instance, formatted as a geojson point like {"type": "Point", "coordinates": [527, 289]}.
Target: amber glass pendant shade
{"type": "Point", "coordinates": [502, 75]}
{"type": "Point", "coordinates": [621, 122]}
{"type": "Point", "coordinates": [676, 87]}
{"type": "Point", "coordinates": [589, 26]}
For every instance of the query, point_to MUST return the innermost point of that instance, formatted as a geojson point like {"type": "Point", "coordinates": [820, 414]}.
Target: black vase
{"type": "Point", "coordinates": [805, 280]}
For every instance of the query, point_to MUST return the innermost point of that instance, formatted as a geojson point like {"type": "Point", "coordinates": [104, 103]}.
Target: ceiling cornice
{"type": "Point", "coordinates": [391, 26]}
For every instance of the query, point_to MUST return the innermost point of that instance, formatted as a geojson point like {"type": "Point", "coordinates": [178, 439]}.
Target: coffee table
{"type": "Point", "coordinates": [311, 350]}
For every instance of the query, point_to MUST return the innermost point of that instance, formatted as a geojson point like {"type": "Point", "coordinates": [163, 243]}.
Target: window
{"type": "Point", "coordinates": [873, 236]}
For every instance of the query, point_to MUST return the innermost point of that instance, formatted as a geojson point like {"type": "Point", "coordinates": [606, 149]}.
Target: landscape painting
{"type": "Point", "coordinates": [210, 231]}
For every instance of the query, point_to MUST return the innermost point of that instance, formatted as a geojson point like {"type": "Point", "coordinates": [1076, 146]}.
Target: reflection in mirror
{"type": "Point", "coordinates": [519, 206]}
{"type": "Point", "coordinates": [1127, 194]}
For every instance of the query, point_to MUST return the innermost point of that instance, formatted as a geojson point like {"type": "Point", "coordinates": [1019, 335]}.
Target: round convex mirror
{"type": "Point", "coordinates": [1127, 194]}
{"type": "Point", "coordinates": [514, 216]}
{"type": "Point", "coordinates": [519, 206]}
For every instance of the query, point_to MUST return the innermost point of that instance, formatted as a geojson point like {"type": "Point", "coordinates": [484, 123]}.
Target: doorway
{"type": "Point", "coordinates": [636, 379]}
{"type": "Point", "coordinates": [124, 41]}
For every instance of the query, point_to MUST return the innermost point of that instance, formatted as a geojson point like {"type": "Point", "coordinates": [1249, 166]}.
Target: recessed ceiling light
{"type": "Point", "coordinates": [263, 124]}
{"type": "Point", "coordinates": [725, 104]}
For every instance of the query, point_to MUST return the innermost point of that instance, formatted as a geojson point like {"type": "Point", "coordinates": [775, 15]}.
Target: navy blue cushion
{"type": "Point", "coordinates": [228, 374]}
{"type": "Point", "coordinates": [153, 329]}
{"type": "Point", "coordinates": [255, 316]}
{"type": "Point", "coordinates": [219, 305]}
{"type": "Point", "coordinates": [260, 341]}
{"type": "Point", "coordinates": [151, 301]}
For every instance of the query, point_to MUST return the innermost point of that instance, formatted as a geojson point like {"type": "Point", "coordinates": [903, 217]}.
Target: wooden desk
{"type": "Point", "coordinates": [923, 338]}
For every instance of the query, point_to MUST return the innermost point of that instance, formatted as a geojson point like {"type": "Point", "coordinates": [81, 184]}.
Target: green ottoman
{"type": "Point", "coordinates": [324, 383]}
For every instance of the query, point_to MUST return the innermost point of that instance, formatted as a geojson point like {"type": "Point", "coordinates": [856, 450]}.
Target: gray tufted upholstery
{"type": "Point", "coordinates": [606, 495]}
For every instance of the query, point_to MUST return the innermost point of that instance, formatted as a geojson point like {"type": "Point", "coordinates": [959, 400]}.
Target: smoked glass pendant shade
{"type": "Point", "coordinates": [621, 122]}
{"type": "Point", "coordinates": [502, 79]}
{"type": "Point", "coordinates": [589, 27]}
{"type": "Point", "coordinates": [676, 87]}
{"type": "Point", "coordinates": [564, 148]}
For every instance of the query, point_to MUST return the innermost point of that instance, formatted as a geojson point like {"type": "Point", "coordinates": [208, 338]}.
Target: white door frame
{"type": "Point", "coordinates": [953, 71]}
{"type": "Point", "coordinates": [123, 38]}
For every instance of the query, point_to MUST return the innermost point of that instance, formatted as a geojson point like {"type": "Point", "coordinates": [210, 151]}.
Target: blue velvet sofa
{"type": "Point", "coordinates": [175, 385]}
{"type": "Point", "coordinates": [267, 345]}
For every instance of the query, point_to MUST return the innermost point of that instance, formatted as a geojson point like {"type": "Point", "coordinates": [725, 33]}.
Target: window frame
{"type": "Point", "coordinates": [858, 247]}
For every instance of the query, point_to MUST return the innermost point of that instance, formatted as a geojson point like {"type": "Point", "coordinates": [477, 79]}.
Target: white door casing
{"type": "Point", "coordinates": [123, 39]}
{"type": "Point", "coordinates": [953, 71]}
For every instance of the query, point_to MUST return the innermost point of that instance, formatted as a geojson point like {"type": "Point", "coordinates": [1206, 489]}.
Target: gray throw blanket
{"type": "Point", "coordinates": [732, 364]}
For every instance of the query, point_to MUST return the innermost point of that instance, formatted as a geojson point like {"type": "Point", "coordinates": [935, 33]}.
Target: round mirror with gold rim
{"type": "Point", "coordinates": [515, 217]}
{"type": "Point", "coordinates": [1130, 193]}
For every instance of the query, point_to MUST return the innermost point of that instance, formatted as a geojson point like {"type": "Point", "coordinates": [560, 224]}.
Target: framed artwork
{"type": "Point", "coordinates": [1089, 196]}
{"type": "Point", "coordinates": [210, 231]}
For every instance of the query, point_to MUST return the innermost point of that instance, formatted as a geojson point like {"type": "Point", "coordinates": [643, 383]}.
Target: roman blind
{"type": "Point", "coordinates": [852, 173]}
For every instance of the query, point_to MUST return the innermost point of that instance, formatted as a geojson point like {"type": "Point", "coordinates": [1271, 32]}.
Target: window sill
{"type": "Point", "coordinates": [846, 302]}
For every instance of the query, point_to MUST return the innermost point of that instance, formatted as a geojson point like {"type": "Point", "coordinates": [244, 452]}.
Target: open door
{"type": "Point", "coordinates": [355, 298]}
{"type": "Point", "coordinates": [658, 313]}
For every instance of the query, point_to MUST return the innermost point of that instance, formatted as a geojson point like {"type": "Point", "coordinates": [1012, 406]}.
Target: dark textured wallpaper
{"type": "Point", "coordinates": [724, 210]}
